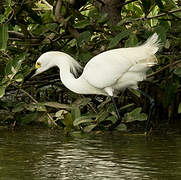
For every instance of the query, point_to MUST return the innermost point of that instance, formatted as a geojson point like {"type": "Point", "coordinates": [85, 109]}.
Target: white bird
{"type": "Point", "coordinates": [107, 72]}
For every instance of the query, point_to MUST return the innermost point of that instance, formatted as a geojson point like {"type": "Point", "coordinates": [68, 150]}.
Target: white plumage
{"type": "Point", "coordinates": [105, 73]}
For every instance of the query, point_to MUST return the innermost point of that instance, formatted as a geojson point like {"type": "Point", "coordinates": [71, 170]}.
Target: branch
{"type": "Point", "coordinates": [163, 68]}
{"type": "Point", "coordinates": [28, 95]}
{"type": "Point", "coordinates": [58, 15]}
{"type": "Point", "coordinates": [152, 17]}
{"type": "Point", "coordinates": [101, 2]}
{"type": "Point", "coordinates": [73, 32]}
{"type": "Point", "coordinates": [13, 34]}
{"type": "Point", "coordinates": [50, 117]}
{"type": "Point", "coordinates": [163, 14]}
{"type": "Point", "coordinates": [127, 2]}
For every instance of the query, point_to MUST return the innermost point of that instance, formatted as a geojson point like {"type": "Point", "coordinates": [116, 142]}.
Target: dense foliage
{"type": "Point", "coordinates": [83, 29]}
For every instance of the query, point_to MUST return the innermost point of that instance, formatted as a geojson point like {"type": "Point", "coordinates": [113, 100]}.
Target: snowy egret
{"type": "Point", "coordinates": [107, 72]}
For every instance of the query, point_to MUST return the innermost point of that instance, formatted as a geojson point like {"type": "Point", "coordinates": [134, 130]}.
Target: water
{"type": "Point", "coordinates": [41, 154]}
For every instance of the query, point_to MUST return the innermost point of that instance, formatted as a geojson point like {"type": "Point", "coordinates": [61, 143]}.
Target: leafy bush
{"type": "Point", "coordinates": [84, 29]}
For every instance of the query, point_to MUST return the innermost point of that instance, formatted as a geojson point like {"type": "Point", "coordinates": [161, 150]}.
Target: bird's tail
{"type": "Point", "coordinates": [153, 44]}
{"type": "Point", "coordinates": [147, 51]}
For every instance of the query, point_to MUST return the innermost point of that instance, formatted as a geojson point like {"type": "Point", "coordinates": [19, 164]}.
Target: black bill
{"type": "Point", "coordinates": [30, 75]}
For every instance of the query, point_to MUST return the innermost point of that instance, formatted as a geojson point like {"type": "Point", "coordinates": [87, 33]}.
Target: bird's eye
{"type": "Point", "coordinates": [38, 65]}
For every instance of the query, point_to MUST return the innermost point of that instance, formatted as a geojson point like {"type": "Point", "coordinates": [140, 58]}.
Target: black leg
{"type": "Point", "coordinates": [117, 123]}
{"type": "Point", "coordinates": [152, 106]}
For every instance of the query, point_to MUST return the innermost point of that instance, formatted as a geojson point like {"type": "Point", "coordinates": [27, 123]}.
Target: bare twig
{"type": "Point", "coordinates": [49, 116]}
{"type": "Point", "coordinates": [29, 95]}
{"type": "Point", "coordinates": [152, 17]}
{"type": "Point", "coordinates": [13, 34]}
{"type": "Point", "coordinates": [163, 68]}
{"type": "Point", "coordinates": [92, 107]}
{"type": "Point", "coordinates": [163, 14]}
{"type": "Point", "coordinates": [51, 119]}
{"type": "Point", "coordinates": [101, 2]}
{"type": "Point", "coordinates": [127, 2]}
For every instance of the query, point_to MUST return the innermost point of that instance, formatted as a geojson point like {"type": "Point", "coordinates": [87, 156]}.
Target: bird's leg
{"type": "Point", "coordinates": [152, 106]}
{"type": "Point", "coordinates": [117, 123]}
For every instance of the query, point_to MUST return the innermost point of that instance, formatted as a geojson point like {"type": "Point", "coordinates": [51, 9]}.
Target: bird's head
{"type": "Point", "coordinates": [54, 58]}
{"type": "Point", "coordinates": [43, 63]}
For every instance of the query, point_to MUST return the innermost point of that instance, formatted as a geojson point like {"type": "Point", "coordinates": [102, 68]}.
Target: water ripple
{"type": "Point", "coordinates": [50, 155]}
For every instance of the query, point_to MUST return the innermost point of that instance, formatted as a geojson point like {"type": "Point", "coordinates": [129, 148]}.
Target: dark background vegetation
{"type": "Point", "coordinates": [83, 29]}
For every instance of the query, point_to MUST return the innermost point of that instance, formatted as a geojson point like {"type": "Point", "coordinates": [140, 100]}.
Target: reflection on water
{"type": "Point", "coordinates": [47, 154]}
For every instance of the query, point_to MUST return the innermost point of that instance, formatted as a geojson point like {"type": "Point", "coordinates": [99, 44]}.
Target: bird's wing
{"type": "Point", "coordinates": [106, 68]}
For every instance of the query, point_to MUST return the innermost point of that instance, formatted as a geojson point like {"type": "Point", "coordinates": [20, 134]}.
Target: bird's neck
{"type": "Point", "coordinates": [77, 85]}
{"type": "Point", "coordinates": [67, 77]}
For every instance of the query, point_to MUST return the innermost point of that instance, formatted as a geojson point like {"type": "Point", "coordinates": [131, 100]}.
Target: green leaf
{"type": "Point", "coordinates": [102, 116]}
{"type": "Point", "coordinates": [40, 107]}
{"type": "Point", "coordinates": [89, 128]}
{"type": "Point", "coordinates": [19, 107]}
{"type": "Point", "coordinates": [31, 107]}
{"type": "Point", "coordinates": [8, 2]}
{"type": "Point", "coordinates": [84, 56]}
{"type": "Point", "coordinates": [113, 119]}
{"type": "Point", "coordinates": [51, 26]}
{"type": "Point", "coordinates": [32, 117]}
{"type": "Point", "coordinates": [121, 127]}
{"type": "Point", "coordinates": [81, 102]}
{"type": "Point", "coordinates": [171, 3]}
{"type": "Point", "coordinates": [84, 37]}
{"type": "Point", "coordinates": [13, 66]}
{"type": "Point", "coordinates": [68, 121]}
{"type": "Point", "coordinates": [60, 113]}
{"type": "Point", "coordinates": [179, 108]}
{"type": "Point", "coordinates": [3, 36]}
{"type": "Point", "coordinates": [147, 4]}
{"type": "Point", "coordinates": [5, 80]}
{"type": "Point", "coordinates": [177, 71]}
{"type": "Point", "coordinates": [111, 108]}
{"type": "Point", "coordinates": [75, 113]}
{"type": "Point", "coordinates": [5, 115]}
{"type": "Point", "coordinates": [135, 115]}
{"type": "Point", "coordinates": [57, 105]}
{"type": "Point", "coordinates": [135, 92]}
{"type": "Point", "coordinates": [82, 24]}
{"type": "Point", "coordinates": [159, 3]}
{"type": "Point", "coordinates": [103, 18]}
{"type": "Point", "coordinates": [126, 106]}
{"type": "Point", "coordinates": [114, 41]}
{"type": "Point", "coordinates": [131, 41]}
{"type": "Point", "coordinates": [2, 91]}
{"type": "Point", "coordinates": [36, 106]}
{"type": "Point", "coordinates": [82, 120]}
{"type": "Point", "coordinates": [7, 10]}
{"type": "Point", "coordinates": [19, 78]}
{"type": "Point", "coordinates": [8, 68]}
{"type": "Point", "coordinates": [162, 31]}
